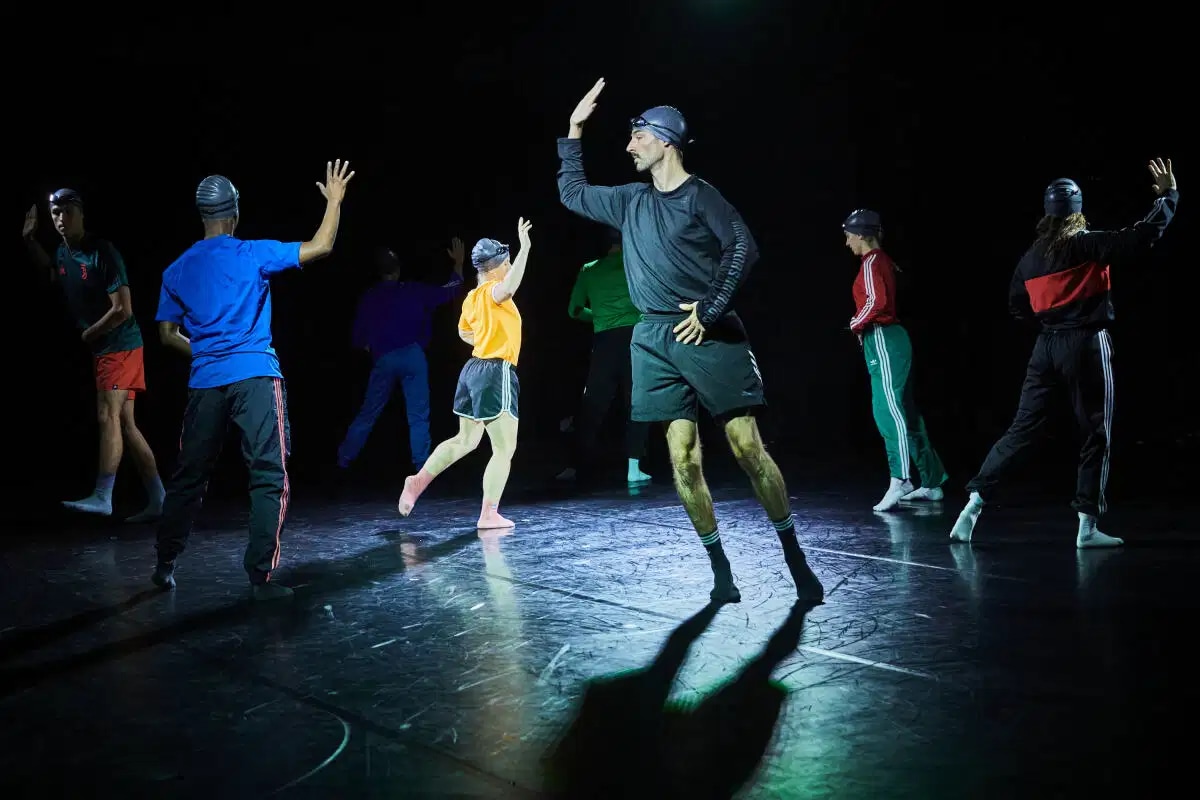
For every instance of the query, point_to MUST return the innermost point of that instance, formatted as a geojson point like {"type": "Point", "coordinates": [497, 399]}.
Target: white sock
{"type": "Point", "coordinates": [104, 487]}
{"type": "Point", "coordinates": [891, 498]}
{"type": "Point", "coordinates": [964, 526]}
{"type": "Point", "coordinates": [1090, 536]}
{"type": "Point", "coordinates": [634, 471]}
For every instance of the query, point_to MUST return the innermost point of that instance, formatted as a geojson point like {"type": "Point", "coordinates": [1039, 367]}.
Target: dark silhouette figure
{"type": "Point", "coordinates": [627, 743]}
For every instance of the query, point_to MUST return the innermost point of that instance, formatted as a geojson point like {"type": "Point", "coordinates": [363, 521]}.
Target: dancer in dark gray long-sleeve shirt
{"type": "Point", "coordinates": [687, 252]}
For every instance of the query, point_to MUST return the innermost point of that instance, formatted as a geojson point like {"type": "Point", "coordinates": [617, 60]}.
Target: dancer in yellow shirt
{"type": "Point", "coordinates": [488, 390]}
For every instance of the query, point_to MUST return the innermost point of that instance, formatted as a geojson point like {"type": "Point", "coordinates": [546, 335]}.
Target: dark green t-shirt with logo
{"type": "Point", "coordinates": [88, 273]}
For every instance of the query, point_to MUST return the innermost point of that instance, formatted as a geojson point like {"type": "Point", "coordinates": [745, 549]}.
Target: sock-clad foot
{"type": "Point", "coordinates": [808, 586]}
{"type": "Point", "coordinates": [964, 526]}
{"type": "Point", "coordinates": [634, 472]}
{"type": "Point", "coordinates": [155, 494]}
{"type": "Point", "coordinates": [1089, 535]}
{"type": "Point", "coordinates": [931, 494]}
{"type": "Point", "coordinates": [147, 514]}
{"type": "Point", "coordinates": [896, 491]}
{"type": "Point", "coordinates": [724, 589]}
{"type": "Point", "coordinates": [164, 575]}
{"type": "Point", "coordinates": [93, 504]}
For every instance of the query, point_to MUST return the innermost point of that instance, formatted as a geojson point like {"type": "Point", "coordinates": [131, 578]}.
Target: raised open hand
{"type": "Point", "coordinates": [457, 252]}
{"type": "Point", "coordinates": [523, 228]}
{"type": "Point", "coordinates": [587, 105]}
{"type": "Point", "coordinates": [337, 175]}
{"type": "Point", "coordinates": [1164, 178]}
{"type": "Point", "coordinates": [30, 221]}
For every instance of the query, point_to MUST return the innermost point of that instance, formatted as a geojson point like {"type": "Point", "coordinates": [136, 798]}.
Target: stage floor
{"type": "Point", "coordinates": [421, 658]}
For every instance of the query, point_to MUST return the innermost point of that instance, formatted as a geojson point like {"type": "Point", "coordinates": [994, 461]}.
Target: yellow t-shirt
{"type": "Point", "coordinates": [496, 326]}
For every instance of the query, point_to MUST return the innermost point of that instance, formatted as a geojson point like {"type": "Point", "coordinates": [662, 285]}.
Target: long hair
{"type": "Point", "coordinates": [1054, 232]}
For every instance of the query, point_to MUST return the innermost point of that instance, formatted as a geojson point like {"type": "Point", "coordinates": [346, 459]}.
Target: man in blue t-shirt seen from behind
{"type": "Point", "coordinates": [219, 293]}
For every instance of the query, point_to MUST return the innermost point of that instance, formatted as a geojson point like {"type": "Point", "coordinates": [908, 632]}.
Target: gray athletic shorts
{"type": "Point", "coordinates": [487, 387]}
{"type": "Point", "coordinates": [671, 380]}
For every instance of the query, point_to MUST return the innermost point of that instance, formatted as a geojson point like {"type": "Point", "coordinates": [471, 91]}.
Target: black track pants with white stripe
{"type": "Point", "coordinates": [1078, 362]}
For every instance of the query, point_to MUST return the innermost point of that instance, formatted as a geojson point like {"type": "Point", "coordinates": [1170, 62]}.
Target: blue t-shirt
{"type": "Point", "coordinates": [219, 292]}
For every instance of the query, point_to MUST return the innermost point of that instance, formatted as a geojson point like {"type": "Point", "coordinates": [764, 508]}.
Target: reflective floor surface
{"type": "Point", "coordinates": [575, 655]}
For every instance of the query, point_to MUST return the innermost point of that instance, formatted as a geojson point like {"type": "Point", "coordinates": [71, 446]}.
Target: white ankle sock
{"type": "Point", "coordinates": [1089, 535]}
{"type": "Point", "coordinates": [964, 526]}
{"type": "Point", "coordinates": [104, 487]}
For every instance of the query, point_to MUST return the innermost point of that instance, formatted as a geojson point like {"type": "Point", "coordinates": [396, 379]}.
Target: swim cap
{"type": "Point", "coordinates": [488, 254]}
{"type": "Point", "coordinates": [864, 222]}
{"type": "Point", "coordinates": [217, 198]}
{"type": "Point", "coordinates": [665, 123]}
{"type": "Point", "coordinates": [1062, 198]}
{"type": "Point", "coordinates": [66, 197]}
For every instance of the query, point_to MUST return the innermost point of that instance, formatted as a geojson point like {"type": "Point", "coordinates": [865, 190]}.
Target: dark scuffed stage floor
{"type": "Point", "coordinates": [421, 658]}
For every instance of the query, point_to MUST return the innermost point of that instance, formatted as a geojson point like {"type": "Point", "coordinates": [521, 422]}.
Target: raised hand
{"type": "Point", "coordinates": [1164, 178]}
{"type": "Point", "coordinates": [523, 228]}
{"type": "Point", "coordinates": [456, 251]}
{"type": "Point", "coordinates": [587, 105]}
{"type": "Point", "coordinates": [337, 175]}
{"type": "Point", "coordinates": [31, 222]}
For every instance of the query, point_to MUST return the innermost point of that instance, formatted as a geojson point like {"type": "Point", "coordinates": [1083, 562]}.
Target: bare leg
{"type": "Point", "coordinates": [143, 459]}
{"type": "Point", "coordinates": [108, 416]}
{"type": "Point", "coordinates": [765, 477]}
{"type": "Point", "coordinates": [771, 491]}
{"type": "Point", "coordinates": [470, 434]}
{"type": "Point", "coordinates": [502, 431]}
{"type": "Point", "coordinates": [683, 444]}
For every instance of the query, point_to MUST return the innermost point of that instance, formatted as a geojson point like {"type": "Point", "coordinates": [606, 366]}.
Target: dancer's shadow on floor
{"type": "Point", "coordinates": [626, 742]}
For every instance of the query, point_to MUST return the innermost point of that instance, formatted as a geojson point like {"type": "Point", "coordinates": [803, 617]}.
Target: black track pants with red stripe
{"type": "Point", "coordinates": [258, 408]}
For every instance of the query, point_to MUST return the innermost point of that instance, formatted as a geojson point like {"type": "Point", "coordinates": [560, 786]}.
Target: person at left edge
{"type": "Point", "coordinates": [92, 276]}
{"type": "Point", "coordinates": [219, 292]}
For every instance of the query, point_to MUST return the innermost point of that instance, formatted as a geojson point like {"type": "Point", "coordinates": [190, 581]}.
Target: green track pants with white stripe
{"type": "Point", "coordinates": [889, 362]}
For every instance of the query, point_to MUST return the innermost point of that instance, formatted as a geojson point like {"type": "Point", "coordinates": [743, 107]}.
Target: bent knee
{"type": "Point", "coordinates": [469, 437]}
{"type": "Point", "coordinates": [683, 445]}
{"type": "Point", "coordinates": [745, 442]}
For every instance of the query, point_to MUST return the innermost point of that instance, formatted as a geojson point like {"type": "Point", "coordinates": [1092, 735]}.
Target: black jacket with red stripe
{"type": "Point", "coordinates": [1072, 289]}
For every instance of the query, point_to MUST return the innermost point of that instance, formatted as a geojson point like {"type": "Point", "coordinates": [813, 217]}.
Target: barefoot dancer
{"type": "Point", "coordinates": [488, 391]}
{"type": "Point", "coordinates": [687, 250]}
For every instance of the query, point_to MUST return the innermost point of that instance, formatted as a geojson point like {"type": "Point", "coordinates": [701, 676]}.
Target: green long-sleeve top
{"type": "Point", "coordinates": [601, 295]}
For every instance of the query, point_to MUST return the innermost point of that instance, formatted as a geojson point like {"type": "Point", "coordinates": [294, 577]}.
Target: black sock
{"type": "Point", "coordinates": [785, 526]}
{"type": "Point", "coordinates": [712, 543]}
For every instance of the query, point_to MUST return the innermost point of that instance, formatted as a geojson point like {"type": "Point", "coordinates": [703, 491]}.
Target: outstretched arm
{"type": "Point", "coordinates": [598, 203]}
{"type": "Point", "coordinates": [604, 204]}
{"type": "Point", "coordinates": [1107, 246]}
{"type": "Point", "coordinates": [739, 252]}
{"type": "Point", "coordinates": [337, 175]}
{"type": "Point", "coordinates": [508, 287]}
